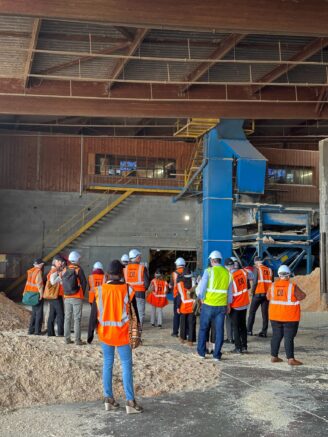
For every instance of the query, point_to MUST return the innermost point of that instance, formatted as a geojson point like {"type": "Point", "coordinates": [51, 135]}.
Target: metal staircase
{"type": "Point", "coordinates": [78, 224]}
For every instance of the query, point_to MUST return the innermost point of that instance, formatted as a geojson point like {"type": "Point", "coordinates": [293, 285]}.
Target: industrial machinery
{"type": "Point", "coordinates": [234, 218]}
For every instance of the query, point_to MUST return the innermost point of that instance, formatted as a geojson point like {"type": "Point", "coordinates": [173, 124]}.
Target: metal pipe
{"type": "Point", "coordinates": [185, 189]}
{"type": "Point", "coordinates": [277, 62]}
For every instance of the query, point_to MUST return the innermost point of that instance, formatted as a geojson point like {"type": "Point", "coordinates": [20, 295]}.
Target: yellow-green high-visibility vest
{"type": "Point", "coordinates": [217, 286]}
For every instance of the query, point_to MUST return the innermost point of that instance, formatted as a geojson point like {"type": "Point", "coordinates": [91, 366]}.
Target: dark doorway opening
{"type": "Point", "coordinates": [164, 259]}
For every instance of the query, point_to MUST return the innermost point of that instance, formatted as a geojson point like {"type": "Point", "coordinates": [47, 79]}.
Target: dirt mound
{"type": "Point", "coordinates": [310, 284]}
{"type": "Point", "coordinates": [12, 316]}
{"type": "Point", "coordinates": [41, 370]}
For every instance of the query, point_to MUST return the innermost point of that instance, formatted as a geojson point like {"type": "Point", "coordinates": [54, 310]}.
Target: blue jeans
{"type": "Point", "coordinates": [207, 314]}
{"type": "Point", "coordinates": [125, 354]}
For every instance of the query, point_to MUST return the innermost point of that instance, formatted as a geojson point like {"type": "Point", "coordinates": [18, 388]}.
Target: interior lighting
{"type": "Point", "coordinates": [187, 218]}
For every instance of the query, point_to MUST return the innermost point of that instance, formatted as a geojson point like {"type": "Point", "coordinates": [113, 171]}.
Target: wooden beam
{"type": "Point", "coordinates": [119, 66]}
{"type": "Point", "coordinates": [83, 59]}
{"type": "Point", "coordinates": [307, 51]}
{"type": "Point", "coordinates": [84, 107]}
{"type": "Point", "coordinates": [252, 16]}
{"type": "Point", "coordinates": [30, 54]}
{"type": "Point", "coordinates": [225, 46]}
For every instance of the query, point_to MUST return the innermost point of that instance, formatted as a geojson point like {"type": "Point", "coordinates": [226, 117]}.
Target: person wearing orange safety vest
{"type": "Point", "coordinates": [239, 305]}
{"type": "Point", "coordinates": [185, 302]}
{"type": "Point", "coordinates": [74, 284]}
{"type": "Point", "coordinates": [96, 278]}
{"type": "Point", "coordinates": [156, 297]}
{"type": "Point", "coordinates": [284, 315]}
{"type": "Point", "coordinates": [110, 316]}
{"type": "Point", "coordinates": [180, 264]}
{"type": "Point", "coordinates": [56, 306]}
{"type": "Point", "coordinates": [136, 275]}
{"type": "Point", "coordinates": [262, 280]}
{"type": "Point", "coordinates": [35, 283]}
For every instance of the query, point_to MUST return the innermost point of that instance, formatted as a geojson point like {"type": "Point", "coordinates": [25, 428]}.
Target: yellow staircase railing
{"type": "Point", "coordinates": [194, 164]}
{"type": "Point", "coordinates": [76, 232]}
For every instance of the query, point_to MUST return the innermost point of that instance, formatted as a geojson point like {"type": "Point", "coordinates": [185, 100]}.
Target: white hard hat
{"type": "Point", "coordinates": [134, 253]}
{"type": "Point", "coordinates": [180, 262]}
{"type": "Point", "coordinates": [74, 257]}
{"type": "Point", "coordinates": [284, 270]}
{"type": "Point", "coordinates": [234, 259]}
{"type": "Point", "coordinates": [215, 255]}
{"type": "Point", "coordinates": [125, 258]}
{"type": "Point", "coordinates": [98, 266]}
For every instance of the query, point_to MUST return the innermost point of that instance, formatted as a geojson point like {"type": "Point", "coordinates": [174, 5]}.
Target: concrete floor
{"type": "Point", "coordinates": [251, 398]}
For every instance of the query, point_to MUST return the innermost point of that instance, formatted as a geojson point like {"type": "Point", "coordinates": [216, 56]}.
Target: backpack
{"type": "Point", "coordinates": [70, 281]}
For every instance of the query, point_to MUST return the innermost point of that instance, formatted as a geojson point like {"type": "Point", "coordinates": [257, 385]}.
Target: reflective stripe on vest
{"type": "Point", "coordinates": [125, 317]}
{"type": "Point", "coordinates": [235, 289]}
{"type": "Point", "coordinates": [31, 284]}
{"type": "Point", "coordinates": [284, 306]}
{"type": "Point", "coordinates": [182, 294]}
{"type": "Point", "coordinates": [289, 301]}
{"type": "Point", "coordinates": [156, 293]}
{"type": "Point", "coordinates": [138, 282]}
{"type": "Point", "coordinates": [218, 286]}
{"type": "Point", "coordinates": [263, 284]}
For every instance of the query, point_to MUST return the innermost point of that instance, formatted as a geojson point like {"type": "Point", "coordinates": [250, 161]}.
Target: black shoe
{"type": "Point", "coordinates": [236, 351]}
{"type": "Point", "coordinates": [250, 333]}
{"type": "Point", "coordinates": [244, 349]}
{"type": "Point", "coordinates": [159, 326]}
{"type": "Point", "coordinates": [227, 340]}
{"type": "Point", "coordinates": [153, 324]}
{"type": "Point", "coordinates": [174, 335]}
{"type": "Point", "coordinates": [262, 334]}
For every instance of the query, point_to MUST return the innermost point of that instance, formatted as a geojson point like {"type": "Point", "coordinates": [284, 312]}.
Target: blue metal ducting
{"type": "Point", "coordinates": [224, 145]}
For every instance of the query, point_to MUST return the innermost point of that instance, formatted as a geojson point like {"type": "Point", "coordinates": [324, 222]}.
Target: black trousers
{"type": "Point", "coordinates": [286, 330]}
{"type": "Point", "coordinates": [56, 313]}
{"type": "Point", "coordinates": [188, 327]}
{"type": "Point", "coordinates": [239, 328]}
{"type": "Point", "coordinates": [36, 319]}
{"type": "Point", "coordinates": [176, 317]}
{"type": "Point", "coordinates": [257, 300]}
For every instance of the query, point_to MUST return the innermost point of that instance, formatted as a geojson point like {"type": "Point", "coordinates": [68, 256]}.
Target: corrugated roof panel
{"type": "Point", "coordinates": [73, 27]}
{"type": "Point", "coordinates": [13, 60]}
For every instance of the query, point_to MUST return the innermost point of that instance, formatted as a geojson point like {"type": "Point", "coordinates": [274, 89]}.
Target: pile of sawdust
{"type": "Point", "coordinates": [12, 316]}
{"type": "Point", "coordinates": [310, 284]}
{"type": "Point", "coordinates": [41, 370]}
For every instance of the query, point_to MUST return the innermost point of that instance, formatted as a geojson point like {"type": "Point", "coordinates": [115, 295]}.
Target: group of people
{"type": "Point", "coordinates": [221, 293]}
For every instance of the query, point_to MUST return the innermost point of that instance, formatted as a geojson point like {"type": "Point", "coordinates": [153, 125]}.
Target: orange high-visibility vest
{"type": "Point", "coordinates": [186, 306]}
{"type": "Point", "coordinates": [175, 275]}
{"type": "Point", "coordinates": [113, 320]}
{"type": "Point", "coordinates": [284, 307]}
{"type": "Point", "coordinates": [31, 283]}
{"type": "Point", "coordinates": [240, 297]}
{"type": "Point", "coordinates": [78, 294]}
{"type": "Point", "coordinates": [59, 285]}
{"type": "Point", "coordinates": [263, 279]}
{"type": "Point", "coordinates": [157, 297]}
{"type": "Point", "coordinates": [95, 279]}
{"type": "Point", "coordinates": [134, 276]}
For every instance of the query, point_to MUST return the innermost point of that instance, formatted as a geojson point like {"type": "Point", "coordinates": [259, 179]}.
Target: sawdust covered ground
{"type": "Point", "coordinates": [12, 316]}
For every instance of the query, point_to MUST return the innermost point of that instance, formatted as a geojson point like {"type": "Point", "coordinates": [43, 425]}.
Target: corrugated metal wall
{"type": "Point", "coordinates": [53, 163]}
{"type": "Point", "coordinates": [302, 158]}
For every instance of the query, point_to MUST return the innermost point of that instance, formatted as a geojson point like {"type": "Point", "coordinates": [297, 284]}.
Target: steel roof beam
{"type": "Point", "coordinates": [84, 107]}
{"type": "Point", "coordinates": [30, 54]}
{"type": "Point", "coordinates": [224, 47]}
{"type": "Point", "coordinates": [252, 16]}
{"type": "Point", "coordinates": [309, 50]}
{"type": "Point", "coordinates": [119, 66]}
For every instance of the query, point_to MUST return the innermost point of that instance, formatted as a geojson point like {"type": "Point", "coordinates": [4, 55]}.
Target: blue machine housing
{"type": "Point", "coordinates": [226, 146]}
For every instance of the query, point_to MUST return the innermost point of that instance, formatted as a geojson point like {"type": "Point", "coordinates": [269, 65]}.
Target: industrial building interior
{"type": "Point", "coordinates": [177, 128]}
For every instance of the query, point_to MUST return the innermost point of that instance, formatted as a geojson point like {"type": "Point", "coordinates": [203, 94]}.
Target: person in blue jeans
{"type": "Point", "coordinates": [109, 314]}
{"type": "Point", "coordinates": [215, 291]}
